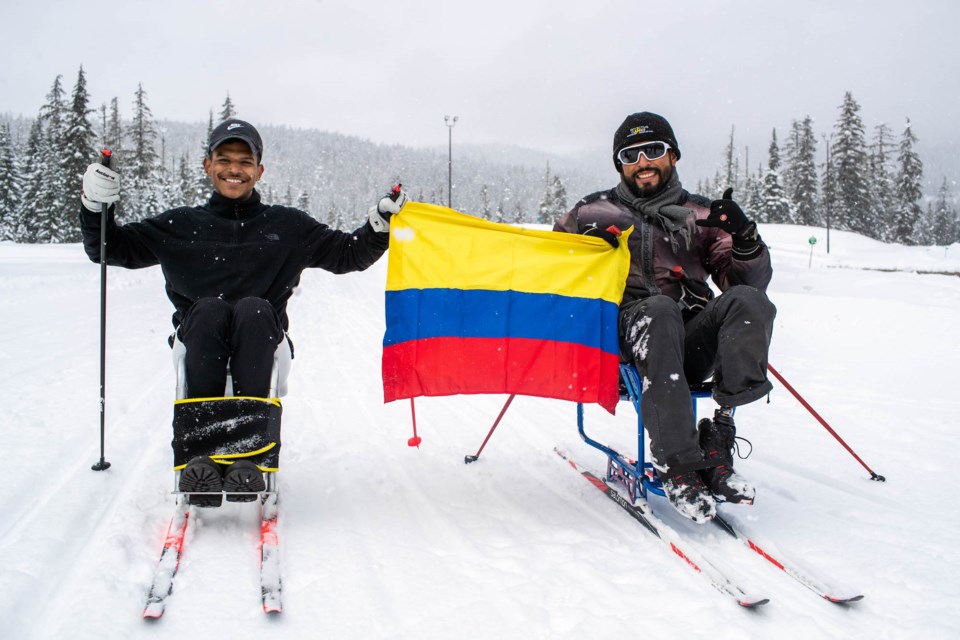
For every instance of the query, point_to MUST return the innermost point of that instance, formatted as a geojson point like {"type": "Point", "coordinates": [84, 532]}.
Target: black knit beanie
{"type": "Point", "coordinates": [643, 127]}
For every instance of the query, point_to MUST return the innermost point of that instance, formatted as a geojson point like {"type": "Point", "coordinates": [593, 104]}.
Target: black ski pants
{"type": "Point", "coordinates": [246, 334]}
{"type": "Point", "coordinates": [729, 339]}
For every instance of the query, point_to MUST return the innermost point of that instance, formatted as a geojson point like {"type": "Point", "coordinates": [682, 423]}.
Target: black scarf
{"type": "Point", "coordinates": [662, 207]}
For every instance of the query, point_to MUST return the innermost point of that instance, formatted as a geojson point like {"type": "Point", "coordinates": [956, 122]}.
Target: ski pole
{"type": "Point", "coordinates": [102, 464]}
{"type": "Point", "coordinates": [468, 458]}
{"type": "Point", "coordinates": [806, 405]}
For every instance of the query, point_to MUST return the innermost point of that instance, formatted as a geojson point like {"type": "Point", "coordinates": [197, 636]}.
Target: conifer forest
{"type": "Point", "coordinates": [850, 178]}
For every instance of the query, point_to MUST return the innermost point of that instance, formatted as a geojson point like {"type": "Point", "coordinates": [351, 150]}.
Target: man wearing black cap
{"type": "Point", "coordinates": [672, 326]}
{"type": "Point", "coordinates": [231, 264]}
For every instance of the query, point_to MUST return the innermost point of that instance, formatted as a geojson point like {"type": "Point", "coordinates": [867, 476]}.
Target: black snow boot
{"type": "Point", "coordinates": [202, 474]}
{"type": "Point", "coordinates": [243, 476]}
{"type": "Point", "coordinates": [689, 496]}
{"type": "Point", "coordinates": [717, 439]}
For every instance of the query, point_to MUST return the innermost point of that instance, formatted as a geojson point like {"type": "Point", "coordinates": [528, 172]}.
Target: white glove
{"type": "Point", "coordinates": [388, 205]}
{"type": "Point", "coordinates": [100, 185]}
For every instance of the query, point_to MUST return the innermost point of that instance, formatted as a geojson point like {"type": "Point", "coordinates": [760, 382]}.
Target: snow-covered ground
{"type": "Point", "coordinates": [384, 541]}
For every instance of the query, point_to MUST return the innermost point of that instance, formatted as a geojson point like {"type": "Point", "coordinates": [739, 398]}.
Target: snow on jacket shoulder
{"type": "Point", "coordinates": [654, 252]}
{"type": "Point", "coordinates": [232, 250]}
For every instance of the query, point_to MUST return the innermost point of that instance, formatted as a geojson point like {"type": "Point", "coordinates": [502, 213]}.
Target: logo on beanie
{"type": "Point", "coordinates": [636, 131]}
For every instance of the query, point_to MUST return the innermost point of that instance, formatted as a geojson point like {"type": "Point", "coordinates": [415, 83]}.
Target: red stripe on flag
{"type": "Point", "coordinates": [549, 369]}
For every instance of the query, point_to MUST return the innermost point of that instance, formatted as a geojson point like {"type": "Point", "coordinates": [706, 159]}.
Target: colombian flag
{"type": "Point", "coordinates": [473, 306]}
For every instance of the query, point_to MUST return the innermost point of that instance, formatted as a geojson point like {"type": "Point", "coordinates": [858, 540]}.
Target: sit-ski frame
{"type": "Point", "coordinates": [277, 389]}
{"type": "Point", "coordinates": [636, 476]}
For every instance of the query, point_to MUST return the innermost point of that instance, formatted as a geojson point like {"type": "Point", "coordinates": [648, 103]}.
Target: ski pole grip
{"type": "Point", "coordinates": [105, 155]}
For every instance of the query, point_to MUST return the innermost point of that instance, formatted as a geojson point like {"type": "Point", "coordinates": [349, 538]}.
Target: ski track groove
{"type": "Point", "coordinates": [66, 496]}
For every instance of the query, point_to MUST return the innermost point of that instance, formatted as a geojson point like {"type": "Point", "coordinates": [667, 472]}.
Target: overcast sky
{"type": "Point", "coordinates": [553, 75]}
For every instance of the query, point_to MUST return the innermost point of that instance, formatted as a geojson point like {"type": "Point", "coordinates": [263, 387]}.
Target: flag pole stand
{"type": "Point", "coordinates": [468, 458]}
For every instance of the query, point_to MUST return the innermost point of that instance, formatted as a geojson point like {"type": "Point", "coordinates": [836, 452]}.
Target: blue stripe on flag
{"type": "Point", "coordinates": [414, 314]}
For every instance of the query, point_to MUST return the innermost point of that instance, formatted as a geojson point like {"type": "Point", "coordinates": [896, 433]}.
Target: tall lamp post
{"type": "Point", "coordinates": [450, 122]}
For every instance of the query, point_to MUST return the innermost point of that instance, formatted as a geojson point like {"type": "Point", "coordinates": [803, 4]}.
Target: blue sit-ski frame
{"type": "Point", "coordinates": [636, 476]}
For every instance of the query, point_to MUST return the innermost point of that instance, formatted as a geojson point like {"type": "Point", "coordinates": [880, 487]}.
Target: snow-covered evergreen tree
{"type": "Point", "coordinates": [923, 229]}
{"type": "Point", "coordinates": [945, 227]}
{"type": "Point", "coordinates": [752, 196]}
{"type": "Point", "coordinates": [227, 111]}
{"type": "Point", "coordinates": [51, 198]}
{"type": "Point", "coordinates": [185, 182]}
{"type": "Point", "coordinates": [141, 167]}
{"type": "Point", "coordinates": [33, 168]}
{"type": "Point", "coordinates": [559, 198]}
{"type": "Point", "coordinates": [731, 169]}
{"type": "Point", "coordinates": [909, 188]}
{"type": "Point", "coordinates": [331, 215]}
{"type": "Point", "coordinates": [788, 155]}
{"type": "Point", "coordinates": [9, 186]}
{"type": "Point", "coordinates": [800, 172]}
{"type": "Point", "coordinates": [774, 203]}
{"type": "Point", "coordinates": [79, 151]}
{"type": "Point", "coordinates": [112, 138]}
{"type": "Point", "coordinates": [103, 119]}
{"type": "Point", "coordinates": [853, 209]}
{"type": "Point", "coordinates": [168, 190]}
{"type": "Point", "coordinates": [547, 207]}
{"type": "Point", "coordinates": [828, 190]}
{"type": "Point", "coordinates": [504, 205]}
{"type": "Point", "coordinates": [202, 187]}
{"type": "Point", "coordinates": [485, 211]}
{"type": "Point", "coordinates": [882, 182]}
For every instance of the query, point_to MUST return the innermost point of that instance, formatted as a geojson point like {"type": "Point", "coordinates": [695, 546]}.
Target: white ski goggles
{"type": "Point", "coordinates": [649, 150]}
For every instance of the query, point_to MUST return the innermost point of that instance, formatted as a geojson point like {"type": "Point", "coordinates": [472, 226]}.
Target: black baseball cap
{"type": "Point", "coordinates": [234, 129]}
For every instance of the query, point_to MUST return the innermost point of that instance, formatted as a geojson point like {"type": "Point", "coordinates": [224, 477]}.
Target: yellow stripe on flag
{"type": "Point", "coordinates": [432, 247]}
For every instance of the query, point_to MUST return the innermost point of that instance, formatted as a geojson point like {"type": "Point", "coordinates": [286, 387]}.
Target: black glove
{"type": "Point", "coordinates": [694, 294]}
{"type": "Point", "coordinates": [610, 234]}
{"type": "Point", "coordinates": [727, 214]}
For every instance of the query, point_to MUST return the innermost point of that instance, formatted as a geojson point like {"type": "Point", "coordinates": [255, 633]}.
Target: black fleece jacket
{"type": "Point", "coordinates": [232, 250]}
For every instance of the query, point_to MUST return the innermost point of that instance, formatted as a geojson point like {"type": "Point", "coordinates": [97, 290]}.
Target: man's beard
{"type": "Point", "coordinates": [650, 191]}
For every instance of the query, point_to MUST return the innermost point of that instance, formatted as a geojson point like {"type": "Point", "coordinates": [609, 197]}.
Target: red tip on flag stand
{"type": "Point", "coordinates": [415, 440]}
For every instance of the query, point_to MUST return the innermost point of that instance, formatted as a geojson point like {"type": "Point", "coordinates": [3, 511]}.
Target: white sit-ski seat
{"type": "Point", "coordinates": [282, 361]}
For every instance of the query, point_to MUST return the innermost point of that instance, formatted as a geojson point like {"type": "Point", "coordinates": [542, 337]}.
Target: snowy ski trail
{"type": "Point", "coordinates": [383, 541]}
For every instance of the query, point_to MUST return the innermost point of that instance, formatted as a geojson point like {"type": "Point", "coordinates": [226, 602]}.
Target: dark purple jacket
{"type": "Point", "coordinates": [654, 253]}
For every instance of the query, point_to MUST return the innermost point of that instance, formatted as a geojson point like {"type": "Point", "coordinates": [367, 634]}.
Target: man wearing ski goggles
{"type": "Point", "coordinates": [647, 165]}
{"type": "Point", "coordinates": [649, 150]}
{"type": "Point", "coordinates": [672, 326]}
